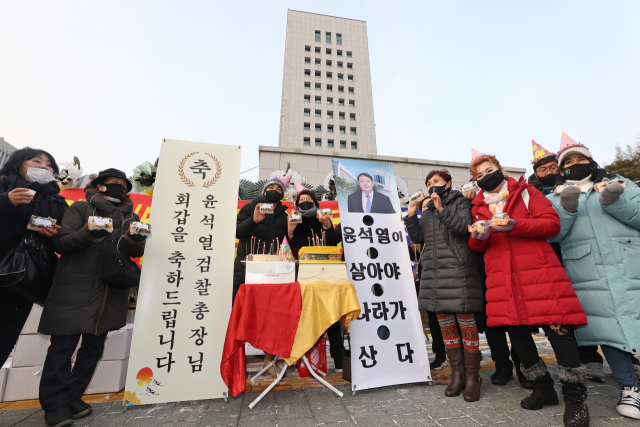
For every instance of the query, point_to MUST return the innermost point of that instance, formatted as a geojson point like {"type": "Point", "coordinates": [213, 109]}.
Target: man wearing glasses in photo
{"type": "Point", "coordinates": [545, 169]}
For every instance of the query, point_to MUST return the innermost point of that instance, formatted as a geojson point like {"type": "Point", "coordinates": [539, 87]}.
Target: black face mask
{"type": "Point", "coordinates": [548, 180]}
{"type": "Point", "coordinates": [440, 190]}
{"type": "Point", "coordinates": [115, 192]}
{"type": "Point", "coordinates": [305, 206]}
{"type": "Point", "coordinates": [491, 181]}
{"type": "Point", "coordinates": [273, 196]}
{"type": "Point", "coordinates": [578, 172]}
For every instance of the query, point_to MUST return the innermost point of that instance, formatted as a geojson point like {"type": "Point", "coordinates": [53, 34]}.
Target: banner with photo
{"type": "Point", "coordinates": [387, 343]}
{"type": "Point", "coordinates": [184, 300]}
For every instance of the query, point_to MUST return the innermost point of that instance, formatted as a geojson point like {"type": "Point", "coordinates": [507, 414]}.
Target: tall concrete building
{"type": "Point", "coordinates": [327, 105]}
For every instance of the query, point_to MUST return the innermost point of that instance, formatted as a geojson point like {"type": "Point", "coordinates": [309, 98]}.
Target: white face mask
{"type": "Point", "coordinates": [39, 175]}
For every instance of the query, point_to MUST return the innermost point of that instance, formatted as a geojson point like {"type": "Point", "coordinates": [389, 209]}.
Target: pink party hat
{"type": "Point", "coordinates": [539, 152]}
{"type": "Point", "coordinates": [299, 188]}
{"type": "Point", "coordinates": [285, 251]}
{"type": "Point", "coordinates": [568, 145]}
{"type": "Point", "coordinates": [285, 179]}
{"type": "Point", "coordinates": [476, 155]}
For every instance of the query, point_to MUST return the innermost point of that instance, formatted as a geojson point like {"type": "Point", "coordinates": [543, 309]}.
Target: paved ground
{"type": "Point", "coordinates": [403, 405]}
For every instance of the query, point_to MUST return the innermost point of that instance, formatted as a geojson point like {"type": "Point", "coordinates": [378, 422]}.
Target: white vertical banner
{"type": "Point", "coordinates": [387, 342]}
{"type": "Point", "coordinates": [184, 301]}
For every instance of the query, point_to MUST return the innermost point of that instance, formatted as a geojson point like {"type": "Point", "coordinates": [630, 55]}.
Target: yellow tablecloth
{"type": "Point", "coordinates": [323, 304]}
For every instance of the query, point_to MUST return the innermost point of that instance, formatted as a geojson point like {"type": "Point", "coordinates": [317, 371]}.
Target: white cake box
{"type": "Point", "coordinates": [31, 326]}
{"type": "Point", "coordinates": [31, 350]}
{"type": "Point", "coordinates": [22, 383]}
{"type": "Point", "coordinates": [4, 371]}
{"type": "Point", "coordinates": [264, 272]}
{"type": "Point", "coordinates": [109, 377]}
{"type": "Point", "coordinates": [118, 344]}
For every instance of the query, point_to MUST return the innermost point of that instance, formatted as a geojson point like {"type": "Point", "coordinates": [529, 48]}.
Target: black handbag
{"type": "Point", "coordinates": [118, 270]}
{"type": "Point", "coordinates": [28, 269]}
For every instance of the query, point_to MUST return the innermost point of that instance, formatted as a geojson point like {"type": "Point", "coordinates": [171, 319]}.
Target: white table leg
{"type": "Point", "coordinates": [272, 385]}
{"type": "Point", "coordinates": [319, 378]}
{"type": "Point", "coordinates": [266, 368]}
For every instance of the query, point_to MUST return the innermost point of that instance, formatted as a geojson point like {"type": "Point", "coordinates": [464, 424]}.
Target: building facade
{"type": "Point", "coordinates": [327, 105]}
{"type": "Point", "coordinates": [5, 151]}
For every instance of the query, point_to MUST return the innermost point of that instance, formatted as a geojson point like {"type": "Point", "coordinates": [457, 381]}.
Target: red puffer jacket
{"type": "Point", "coordinates": [526, 284]}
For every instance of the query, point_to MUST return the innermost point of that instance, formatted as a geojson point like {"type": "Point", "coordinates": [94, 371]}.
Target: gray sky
{"type": "Point", "coordinates": [107, 80]}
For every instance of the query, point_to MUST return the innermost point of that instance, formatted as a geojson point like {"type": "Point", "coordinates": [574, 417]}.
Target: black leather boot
{"type": "Point", "coordinates": [503, 373]}
{"type": "Point", "coordinates": [59, 417]}
{"type": "Point", "coordinates": [524, 382]}
{"type": "Point", "coordinates": [543, 392]}
{"type": "Point", "coordinates": [576, 413]}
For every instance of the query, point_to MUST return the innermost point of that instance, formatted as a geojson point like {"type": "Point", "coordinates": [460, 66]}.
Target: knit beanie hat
{"type": "Point", "coordinates": [569, 146]}
{"type": "Point", "coordinates": [274, 181]}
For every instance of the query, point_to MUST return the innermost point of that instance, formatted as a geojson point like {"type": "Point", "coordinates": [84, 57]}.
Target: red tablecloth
{"type": "Point", "coordinates": [266, 316]}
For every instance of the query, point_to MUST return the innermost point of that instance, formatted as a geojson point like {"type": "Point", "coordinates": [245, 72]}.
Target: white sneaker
{"type": "Point", "coordinates": [629, 403]}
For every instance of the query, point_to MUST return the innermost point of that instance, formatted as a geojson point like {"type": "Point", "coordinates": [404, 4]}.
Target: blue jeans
{"type": "Point", "coordinates": [620, 363]}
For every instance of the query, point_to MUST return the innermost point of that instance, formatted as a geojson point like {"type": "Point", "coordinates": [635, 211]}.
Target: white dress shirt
{"type": "Point", "coordinates": [364, 200]}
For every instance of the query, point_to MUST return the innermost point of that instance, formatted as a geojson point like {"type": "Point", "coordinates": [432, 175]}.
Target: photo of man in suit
{"type": "Point", "coordinates": [366, 200]}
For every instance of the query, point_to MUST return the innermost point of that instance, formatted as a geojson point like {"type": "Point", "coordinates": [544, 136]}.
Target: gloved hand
{"type": "Point", "coordinates": [137, 237]}
{"type": "Point", "coordinates": [483, 235]}
{"type": "Point", "coordinates": [570, 198]}
{"type": "Point", "coordinates": [610, 194]}
{"type": "Point", "coordinates": [98, 233]}
{"type": "Point", "coordinates": [506, 228]}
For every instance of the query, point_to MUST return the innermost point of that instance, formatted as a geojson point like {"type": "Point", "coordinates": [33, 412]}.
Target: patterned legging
{"type": "Point", "coordinates": [450, 334]}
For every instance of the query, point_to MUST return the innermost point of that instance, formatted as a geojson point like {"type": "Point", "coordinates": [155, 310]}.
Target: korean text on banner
{"type": "Point", "coordinates": [387, 342]}
{"type": "Point", "coordinates": [184, 300]}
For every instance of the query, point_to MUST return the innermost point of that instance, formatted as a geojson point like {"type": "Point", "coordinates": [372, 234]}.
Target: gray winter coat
{"type": "Point", "coordinates": [450, 282]}
{"type": "Point", "coordinates": [79, 301]}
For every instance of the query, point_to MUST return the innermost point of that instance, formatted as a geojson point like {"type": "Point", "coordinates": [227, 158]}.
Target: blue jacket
{"type": "Point", "coordinates": [601, 253]}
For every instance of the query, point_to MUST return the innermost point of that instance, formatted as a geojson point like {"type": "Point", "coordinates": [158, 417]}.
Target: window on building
{"type": "Point", "coordinates": [318, 142]}
{"type": "Point", "coordinates": [307, 48]}
{"type": "Point", "coordinates": [329, 75]}
{"type": "Point", "coordinates": [352, 116]}
{"type": "Point", "coordinates": [318, 99]}
{"type": "Point", "coordinates": [353, 131]}
{"type": "Point", "coordinates": [330, 143]}
{"type": "Point", "coordinates": [343, 129]}
{"type": "Point", "coordinates": [350, 65]}
{"type": "Point", "coordinates": [317, 49]}
{"type": "Point", "coordinates": [339, 38]}
{"type": "Point", "coordinates": [341, 102]}
{"type": "Point", "coordinates": [352, 103]}
{"type": "Point", "coordinates": [330, 128]}
{"type": "Point", "coordinates": [343, 144]}
{"type": "Point", "coordinates": [348, 54]}
{"type": "Point", "coordinates": [350, 90]}
{"type": "Point", "coordinates": [318, 86]}
{"type": "Point", "coordinates": [340, 88]}
{"type": "Point", "coordinates": [341, 116]}
{"type": "Point", "coordinates": [354, 145]}
{"type": "Point", "coordinates": [318, 127]}
{"type": "Point", "coordinates": [318, 113]}
{"type": "Point", "coordinates": [328, 51]}
{"type": "Point", "coordinates": [317, 35]}
{"type": "Point", "coordinates": [307, 85]}
{"type": "Point", "coordinates": [328, 63]}
{"type": "Point", "coordinates": [307, 60]}
{"type": "Point", "coordinates": [340, 76]}
{"type": "Point", "coordinates": [329, 88]}
{"type": "Point", "coordinates": [307, 98]}
{"type": "Point", "coordinates": [307, 112]}
{"type": "Point", "coordinates": [339, 64]}
{"type": "Point", "coordinates": [317, 73]}
{"type": "Point", "coordinates": [307, 72]}
{"type": "Point", "coordinates": [328, 37]}
{"type": "Point", "coordinates": [329, 114]}
{"type": "Point", "coordinates": [339, 52]}
{"type": "Point", "coordinates": [307, 126]}
{"type": "Point", "coordinates": [318, 61]}
{"type": "Point", "coordinates": [307, 141]}
{"type": "Point", "coordinates": [329, 101]}
{"type": "Point", "coordinates": [350, 77]}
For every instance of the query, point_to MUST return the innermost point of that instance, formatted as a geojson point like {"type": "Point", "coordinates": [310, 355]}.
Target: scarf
{"type": "Point", "coordinates": [309, 213]}
{"type": "Point", "coordinates": [585, 184]}
{"type": "Point", "coordinates": [496, 201]}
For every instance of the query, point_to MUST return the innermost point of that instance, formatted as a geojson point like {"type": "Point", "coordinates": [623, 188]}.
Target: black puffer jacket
{"type": "Point", "coordinates": [14, 219]}
{"type": "Point", "coordinates": [302, 234]}
{"type": "Point", "coordinates": [79, 301]}
{"type": "Point", "coordinates": [449, 280]}
{"type": "Point", "coordinates": [272, 227]}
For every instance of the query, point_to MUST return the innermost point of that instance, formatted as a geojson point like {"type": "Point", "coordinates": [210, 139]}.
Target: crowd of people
{"type": "Point", "coordinates": [564, 260]}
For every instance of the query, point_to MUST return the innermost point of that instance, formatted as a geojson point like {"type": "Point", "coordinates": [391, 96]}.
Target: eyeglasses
{"type": "Point", "coordinates": [551, 169]}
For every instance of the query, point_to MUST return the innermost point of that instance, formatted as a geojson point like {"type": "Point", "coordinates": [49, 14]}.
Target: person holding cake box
{"type": "Point", "coordinates": [600, 240]}
{"type": "Point", "coordinates": [526, 284]}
